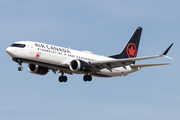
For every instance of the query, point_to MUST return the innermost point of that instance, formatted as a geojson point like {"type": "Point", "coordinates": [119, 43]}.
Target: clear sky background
{"type": "Point", "coordinates": [102, 27]}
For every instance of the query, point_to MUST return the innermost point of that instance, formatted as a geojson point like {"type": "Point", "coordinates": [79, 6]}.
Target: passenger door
{"type": "Point", "coordinates": [32, 48]}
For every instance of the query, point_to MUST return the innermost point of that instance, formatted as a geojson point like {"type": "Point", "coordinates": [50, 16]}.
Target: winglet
{"type": "Point", "coordinates": [167, 49]}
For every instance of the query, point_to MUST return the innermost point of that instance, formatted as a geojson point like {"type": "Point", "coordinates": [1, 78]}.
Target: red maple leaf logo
{"type": "Point", "coordinates": [37, 55]}
{"type": "Point", "coordinates": [131, 50]}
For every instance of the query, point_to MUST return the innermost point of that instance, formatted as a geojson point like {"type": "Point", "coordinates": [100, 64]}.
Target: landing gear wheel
{"type": "Point", "coordinates": [62, 79]}
{"type": "Point", "coordinates": [87, 78]}
{"type": "Point", "coordinates": [20, 68]}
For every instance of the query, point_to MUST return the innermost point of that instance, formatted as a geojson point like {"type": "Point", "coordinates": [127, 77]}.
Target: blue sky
{"type": "Point", "coordinates": [102, 27]}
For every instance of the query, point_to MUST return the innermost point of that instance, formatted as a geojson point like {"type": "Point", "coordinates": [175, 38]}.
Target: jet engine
{"type": "Point", "coordinates": [79, 65]}
{"type": "Point", "coordinates": [36, 69]}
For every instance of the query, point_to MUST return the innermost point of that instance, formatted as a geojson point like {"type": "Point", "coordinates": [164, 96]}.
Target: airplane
{"type": "Point", "coordinates": [43, 57]}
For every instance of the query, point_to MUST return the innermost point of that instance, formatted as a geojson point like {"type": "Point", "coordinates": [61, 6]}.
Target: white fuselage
{"type": "Point", "coordinates": [59, 58]}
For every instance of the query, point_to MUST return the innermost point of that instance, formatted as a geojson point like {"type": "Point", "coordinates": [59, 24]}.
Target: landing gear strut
{"type": "Point", "coordinates": [62, 78]}
{"type": "Point", "coordinates": [87, 78]}
{"type": "Point", "coordinates": [19, 61]}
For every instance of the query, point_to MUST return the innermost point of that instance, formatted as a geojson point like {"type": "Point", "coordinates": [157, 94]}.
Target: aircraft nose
{"type": "Point", "coordinates": [9, 51]}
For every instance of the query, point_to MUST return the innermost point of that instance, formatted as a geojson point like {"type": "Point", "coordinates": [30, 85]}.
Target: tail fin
{"type": "Point", "coordinates": [131, 48]}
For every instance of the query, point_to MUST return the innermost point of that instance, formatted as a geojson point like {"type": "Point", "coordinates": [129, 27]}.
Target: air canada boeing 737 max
{"type": "Point", "coordinates": [44, 57]}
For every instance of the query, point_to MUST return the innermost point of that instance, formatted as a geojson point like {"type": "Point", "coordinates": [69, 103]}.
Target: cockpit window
{"type": "Point", "coordinates": [18, 45]}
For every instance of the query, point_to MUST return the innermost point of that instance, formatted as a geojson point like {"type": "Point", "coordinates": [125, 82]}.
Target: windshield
{"type": "Point", "coordinates": [18, 45]}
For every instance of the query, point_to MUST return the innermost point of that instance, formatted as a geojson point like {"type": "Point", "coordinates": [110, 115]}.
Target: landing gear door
{"type": "Point", "coordinates": [32, 48]}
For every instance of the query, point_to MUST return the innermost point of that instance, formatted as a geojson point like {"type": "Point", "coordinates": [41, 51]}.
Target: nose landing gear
{"type": "Point", "coordinates": [19, 61]}
{"type": "Point", "coordinates": [20, 68]}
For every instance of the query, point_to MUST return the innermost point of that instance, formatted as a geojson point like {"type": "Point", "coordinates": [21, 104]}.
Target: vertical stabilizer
{"type": "Point", "coordinates": [131, 48]}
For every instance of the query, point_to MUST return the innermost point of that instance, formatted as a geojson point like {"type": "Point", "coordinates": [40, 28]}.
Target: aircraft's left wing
{"type": "Point", "coordinates": [109, 64]}
{"type": "Point", "coordinates": [125, 60]}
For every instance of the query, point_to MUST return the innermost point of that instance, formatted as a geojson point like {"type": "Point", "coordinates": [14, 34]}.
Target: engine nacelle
{"type": "Point", "coordinates": [79, 65]}
{"type": "Point", "coordinates": [36, 69]}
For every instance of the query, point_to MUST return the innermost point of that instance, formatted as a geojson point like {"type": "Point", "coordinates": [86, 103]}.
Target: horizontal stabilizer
{"type": "Point", "coordinates": [149, 65]}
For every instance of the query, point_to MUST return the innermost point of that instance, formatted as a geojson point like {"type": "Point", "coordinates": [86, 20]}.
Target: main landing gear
{"type": "Point", "coordinates": [62, 78]}
{"type": "Point", "coordinates": [87, 78]}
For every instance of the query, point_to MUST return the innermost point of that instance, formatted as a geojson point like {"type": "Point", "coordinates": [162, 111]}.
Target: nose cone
{"type": "Point", "coordinates": [9, 51]}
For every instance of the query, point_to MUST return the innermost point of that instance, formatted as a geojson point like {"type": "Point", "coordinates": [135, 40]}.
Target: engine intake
{"type": "Point", "coordinates": [36, 69]}
{"type": "Point", "coordinates": [79, 65]}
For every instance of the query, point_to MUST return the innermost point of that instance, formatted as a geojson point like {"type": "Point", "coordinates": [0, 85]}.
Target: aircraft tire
{"type": "Point", "coordinates": [62, 79]}
{"type": "Point", "coordinates": [87, 78]}
{"type": "Point", "coordinates": [20, 68]}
